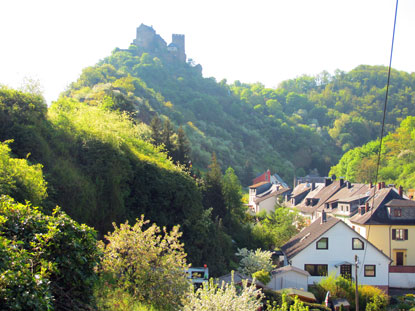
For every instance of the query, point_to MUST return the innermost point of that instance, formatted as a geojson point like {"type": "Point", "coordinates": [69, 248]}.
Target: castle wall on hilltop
{"type": "Point", "coordinates": [150, 41]}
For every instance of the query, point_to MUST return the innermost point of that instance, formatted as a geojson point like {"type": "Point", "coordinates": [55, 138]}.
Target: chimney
{"type": "Point", "coordinates": [379, 185]}
{"type": "Point", "coordinates": [361, 210]}
{"type": "Point", "coordinates": [327, 181]}
{"type": "Point", "coordinates": [268, 175]}
{"type": "Point", "coordinates": [371, 185]}
{"type": "Point", "coordinates": [323, 217]}
{"type": "Point", "coordinates": [341, 181]}
{"type": "Point", "coordinates": [349, 184]}
{"type": "Point", "coordinates": [366, 207]}
{"type": "Point", "coordinates": [400, 191]}
{"type": "Point", "coordinates": [383, 184]}
{"type": "Point", "coordinates": [313, 186]}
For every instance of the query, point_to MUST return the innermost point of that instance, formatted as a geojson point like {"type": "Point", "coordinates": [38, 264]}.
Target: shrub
{"type": "Point", "coordinates": [370, 298]}
{"type": "Point", "coordinates": [253, 261]}
{"type": "Point", "coordinates": [224, 297]}
{"type": "Point", "coordinates": [54, 257]}
{"type": "Point", "coordinates": [262, 276]}
{"type": "Point", "coordinates": [148, 263]}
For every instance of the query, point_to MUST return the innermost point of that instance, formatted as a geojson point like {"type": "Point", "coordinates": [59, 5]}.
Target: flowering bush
{"type": "Point", "coordinates": [224, 297]}
{"type": "Point", "coordinates": [149, 263]}
{"type": "Point", "coordinates": [253, 261]}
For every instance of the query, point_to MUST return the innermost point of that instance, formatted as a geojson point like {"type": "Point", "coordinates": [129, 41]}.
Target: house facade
{"type": "Point", "coordinates": [329, 245]}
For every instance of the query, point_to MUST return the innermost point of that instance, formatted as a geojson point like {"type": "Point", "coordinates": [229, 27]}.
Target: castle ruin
{"type": "Point", "coordinates": [149, 40]}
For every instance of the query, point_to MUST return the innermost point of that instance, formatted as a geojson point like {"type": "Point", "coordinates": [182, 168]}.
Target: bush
{"type": "Point", "coordinates": [149, 265]}
{"type": "Point", "coordinates": [370, 298]}
{"type": "Point", "coordinates": [44, 257]}
{"type": "Point", "coordinates": [224, 297]}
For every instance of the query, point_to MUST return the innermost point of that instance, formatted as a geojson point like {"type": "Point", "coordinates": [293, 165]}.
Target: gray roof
{"type": "Point", "coordinates": [237, 279]}
{"type": "Point", "coordinates": [289, 268]}
{"type": "Point", "coordinates": [400, 203]}
{"type": "Point", "coordinates": [307, 236]}
{"type": "Point", "coordinates": [378, 214]}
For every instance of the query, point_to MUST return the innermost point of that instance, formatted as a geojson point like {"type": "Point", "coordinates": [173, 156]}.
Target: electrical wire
{"type": "Point", "coordinates": [383, 128]}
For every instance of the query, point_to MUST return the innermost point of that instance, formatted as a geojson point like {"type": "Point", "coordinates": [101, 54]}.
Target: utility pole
{"type": "Point", "coordinates": [356, 261]}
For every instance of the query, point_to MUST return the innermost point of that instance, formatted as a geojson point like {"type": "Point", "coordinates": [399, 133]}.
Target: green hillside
{"type": "Point", "coordinates": [397, 164]}
{"type": "Point", "coordinates": [304, 124]}
{"type": "Point", "coordinates": [99, 166]}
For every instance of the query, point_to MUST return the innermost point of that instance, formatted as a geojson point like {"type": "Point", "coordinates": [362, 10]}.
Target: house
{"type": "Point", "coordinates": [315, 201]}
{"type": "Point", "coordinates": [329, 245]}
{"type": "Point", "coordinates": [266, 202]}
{"type": "Point", "coordinates": [264, 177]}
{"type": "Point", "coordinates": [388, 221]}
{"type": "Point", "coordinates": [264, 195]}
{"type": "Point", "coordinates": [289, 277]}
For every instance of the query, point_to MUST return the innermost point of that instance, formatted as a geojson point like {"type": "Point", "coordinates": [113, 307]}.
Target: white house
{"type": "Point", "coordinates": [329, 245]}
{"type": "Point", "coordinates": [289, 277]}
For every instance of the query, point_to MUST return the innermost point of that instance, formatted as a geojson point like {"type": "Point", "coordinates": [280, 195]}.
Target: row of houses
{"type": "Point", "coordinates": [375, 223]}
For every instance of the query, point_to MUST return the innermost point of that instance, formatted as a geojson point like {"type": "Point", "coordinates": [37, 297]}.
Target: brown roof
{"type": "Point", "coordinates": [307, 236]}
{"type": "Point", "coordinates": [258, 184]}
{"type": "Point", "coordinates": [346, 193]}
{"type": "Point", "coordinates": [299, 189]}
{"type": "Point", "coordinates": [272, 194]}
{"type": "Point", "coordinates": [327, 192]}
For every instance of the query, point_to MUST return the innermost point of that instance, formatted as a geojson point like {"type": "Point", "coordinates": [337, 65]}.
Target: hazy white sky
{"type": "Point", "coordinates": [264, 41]}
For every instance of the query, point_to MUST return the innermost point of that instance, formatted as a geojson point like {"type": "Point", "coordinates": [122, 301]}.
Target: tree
{"type": "Point", "coordinates": [149, 263]}
{"type": "Point", "coordinates": [19, 179]}
{"type": "Point", "coordinates": [254, 261]}
{"type": "Point", "coordinates": [232, 194]}
{"type": "Point", "coordinates": [167, 137]}
{"type": "Point", "coordinates": [45, 261]}
{"type": "Point", "coordinates": [156, 127]}
{"type": "Point", "coordinates": [182, 149]}
{"type": "Point", "coordinates": [212, 192]}
{"type": "Point", "coordinates": [276, 228]}
{"type": "Point", "coordinates": [224, 297]}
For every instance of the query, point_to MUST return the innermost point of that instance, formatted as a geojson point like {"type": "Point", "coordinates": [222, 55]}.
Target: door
{"type": "Point", "coordinates": [399, 258]}
{"type": "Point", "coordinates": [346, 271]}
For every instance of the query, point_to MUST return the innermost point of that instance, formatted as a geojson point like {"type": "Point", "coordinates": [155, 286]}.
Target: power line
{"type": "Point", "coordinates": [383, 125]}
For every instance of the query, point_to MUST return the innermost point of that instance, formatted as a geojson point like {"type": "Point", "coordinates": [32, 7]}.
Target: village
{"type": "Point", "coordinates": [360, 231]}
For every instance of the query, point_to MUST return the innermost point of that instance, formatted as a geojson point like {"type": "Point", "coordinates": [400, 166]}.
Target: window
{"type": "Point", "coordinates": [323, 243]}
{"type": "Point", "coordinates": [370, 270]}
{"type": "Point", "coordinates": [400, 234]}
{"type": "Point", "coordinates": [397, 212]}
{"type": "Point", "coordinates": [357, 244]}
{"type": "Point", "coordinates": [316, 270]}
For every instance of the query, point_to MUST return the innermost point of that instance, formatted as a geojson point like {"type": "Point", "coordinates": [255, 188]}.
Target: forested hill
{"type": "Point", "coordinates": [304, 124]}
{"type": "Point", "coordinates": [397, 165]}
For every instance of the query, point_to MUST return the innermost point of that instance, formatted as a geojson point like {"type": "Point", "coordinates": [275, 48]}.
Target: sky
{"type": "Point", "coordinates": [265, 41]}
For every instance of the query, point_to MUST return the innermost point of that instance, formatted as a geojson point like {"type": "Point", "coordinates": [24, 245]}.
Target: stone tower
{"type": "Point", "coordinates": [178, 41]}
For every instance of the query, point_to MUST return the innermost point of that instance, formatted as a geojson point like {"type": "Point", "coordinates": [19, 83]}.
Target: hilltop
{"type": "Point", "coordinates": [305, 124]}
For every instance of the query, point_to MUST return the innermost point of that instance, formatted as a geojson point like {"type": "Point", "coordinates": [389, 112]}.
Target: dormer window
{"type": "Point", "coordinates": [323, 243]}
{"type": "Point", "coordinates": [397, 212]}
{"type": "Point", "coordinates": [357, 243]}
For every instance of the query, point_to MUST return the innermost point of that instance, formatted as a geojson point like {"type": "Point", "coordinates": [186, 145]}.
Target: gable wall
{"type": "Point", "coordinates": [339, 250]}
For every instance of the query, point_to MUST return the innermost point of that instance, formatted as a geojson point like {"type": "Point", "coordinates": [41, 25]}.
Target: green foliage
{"type": "Point", "coordinates": [263, 276]}
{"type": "Point", "coordinates": [148, 263]}
{"type": "Point", "coordinates": [47, 262]}
{"type": "Point", "coordinates": [223, 297]}
{"type": "Point", "coordinates": [254, 261]}
{"type": "Point", "coordinates": [276, 228]}
{"type": "Point", "coordinates": [370, 298]}
{"type": "Point", "coordinates": [397, 159]}
{"type": "Point", "coordinates": [109, 297]}
{"type": "Point", "coordinates": [296, 305]}
{"type": "Point", "coordinates": [19, 179]}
